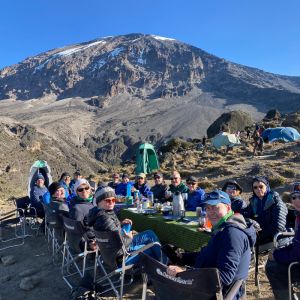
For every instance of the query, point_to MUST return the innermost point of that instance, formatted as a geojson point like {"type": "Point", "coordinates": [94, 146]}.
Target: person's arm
{"type": "Point", "coordinates": [229, 257]}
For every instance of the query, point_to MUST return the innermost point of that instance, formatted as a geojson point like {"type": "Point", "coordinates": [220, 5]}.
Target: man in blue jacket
{"type": "Point", "coordinates": [229, 249]}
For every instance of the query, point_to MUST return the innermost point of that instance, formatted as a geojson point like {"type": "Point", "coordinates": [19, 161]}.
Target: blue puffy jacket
{"type": "Point", "coordinates": [195, 199]}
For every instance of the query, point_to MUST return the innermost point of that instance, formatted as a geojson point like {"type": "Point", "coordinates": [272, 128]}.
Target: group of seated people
{"type": "Point", "coordinates": [233, 234]}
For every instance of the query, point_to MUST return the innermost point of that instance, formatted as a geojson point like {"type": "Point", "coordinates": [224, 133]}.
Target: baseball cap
{"type": "Point", "coordinates": [216, 197]}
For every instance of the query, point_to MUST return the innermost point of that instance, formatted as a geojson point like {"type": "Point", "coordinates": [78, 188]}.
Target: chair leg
{"type": "Point", "coordinates": [145, 280]}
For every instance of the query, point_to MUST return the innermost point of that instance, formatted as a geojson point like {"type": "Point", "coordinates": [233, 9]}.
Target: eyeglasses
{"type": "Point", "coordinates": [255, 187]}
{"type": "Point", "coordinates": [110, 200]}
{"type": "Point", "coordinates": [191, 183]}
{"type": "Point", "coordinates": [82, 189]}
{"type": "Point", "coordinates": [174, 178]}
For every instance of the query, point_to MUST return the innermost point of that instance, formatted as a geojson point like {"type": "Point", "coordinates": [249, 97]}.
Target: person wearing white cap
{"type": "Point", "coordinates": [81, 204]}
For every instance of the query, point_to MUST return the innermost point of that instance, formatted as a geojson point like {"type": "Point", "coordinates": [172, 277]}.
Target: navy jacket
{"type": "Point", "coordinates": [270, 213]}
{"type": "Point", "coordinates": [144, 189]}
{"type": "Point", "coordinates": [79, 211]}
{"type": "Point", "coordinates": [228, 250]}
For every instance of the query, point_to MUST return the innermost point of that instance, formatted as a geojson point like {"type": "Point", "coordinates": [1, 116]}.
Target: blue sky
{"type": "Point", "coordinates": [258, 33]}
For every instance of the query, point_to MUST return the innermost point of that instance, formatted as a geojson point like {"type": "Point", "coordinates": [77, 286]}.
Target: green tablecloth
{"type": "Point", "coordinates": [181, 235]}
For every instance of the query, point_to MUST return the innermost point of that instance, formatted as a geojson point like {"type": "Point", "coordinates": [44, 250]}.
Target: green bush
{"type": "Point", "coordinates": [276, 181]}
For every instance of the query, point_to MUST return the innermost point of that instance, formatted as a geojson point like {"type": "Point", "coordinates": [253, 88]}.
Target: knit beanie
{"type": "Point", "coordinates": [54, 186]}
{"type": "Point", "coordinates": [104, 193]}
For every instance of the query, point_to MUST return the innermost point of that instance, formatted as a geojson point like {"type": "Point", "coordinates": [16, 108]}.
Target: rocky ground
{"type": "Point", "coordinates": [30, 274]}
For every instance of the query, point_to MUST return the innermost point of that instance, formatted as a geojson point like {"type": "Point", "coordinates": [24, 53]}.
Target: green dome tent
{"type": "Point", "coordinates": [146, 159]}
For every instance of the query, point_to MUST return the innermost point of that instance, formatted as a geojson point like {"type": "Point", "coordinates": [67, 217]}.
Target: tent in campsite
{"type": "Point", "coordinates": [39, 167]}
{"type": "Point", "coordinates": [146, 159]}
{"type": "Point", "coordinates": [225, 139]}
{"type": "Point", "coordinates": [287, 134]}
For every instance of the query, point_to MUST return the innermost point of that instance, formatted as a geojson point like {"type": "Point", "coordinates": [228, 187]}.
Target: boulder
{"type": "Point", "coordinates": [29, 283]}
{"type": "Point", "coordinates": [230, 122]}
{"type": "Point", "coordinates": [292, 120]}
{"type": "Point", "coordinates": [8, 260]}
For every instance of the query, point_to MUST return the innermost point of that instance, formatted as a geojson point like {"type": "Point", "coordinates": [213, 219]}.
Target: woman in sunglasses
{"type": "Point", "coordinates": [103, 218]}
{"type": "Point", "coordinates": [234, 190]}
{"type": "Point", "coordinates": [81, 205]}
{"type": "Point", "coordinates": [195, 194]}
{"type": "Point", "coordinates": [267, 208]}
{"type": "Point", "coordinates": [279, 260]}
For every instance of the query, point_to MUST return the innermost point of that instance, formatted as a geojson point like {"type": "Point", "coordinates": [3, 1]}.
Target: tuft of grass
{"type": "Point", "coordinates": [207, 184]}
{"type": "Point", "coordinates": [276, 181]}
{"type": "Point", "coordinates": [287, 172]}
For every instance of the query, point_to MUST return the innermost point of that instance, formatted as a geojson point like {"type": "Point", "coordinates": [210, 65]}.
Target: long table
{"type": "Point", "coordinates": [181, 235]}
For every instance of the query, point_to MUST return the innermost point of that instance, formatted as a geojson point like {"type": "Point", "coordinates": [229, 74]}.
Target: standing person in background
{"type": "Point", "coordinates": [141, 185]}
{"type": "Point", "coordinates": [195, 194]}
{"type": "Point", "coordinates": [177, 185]}
{"type": "Point", "coordinates": [37, 193]}
{"type": "Point", "coordinates": [204, 141]}
{"type": "Point", "coordinates": [115, 181]}
{"type": "Point", "coordinates": [159, 189]}
{"type": "Point", "coordinates": [77, 175]}
{"type": "Point", "coordinates": [124, 187]}
{"type": "Point", "coordinates": [278, 262]}
{"type": "Point", "coordinates": [65, 180]}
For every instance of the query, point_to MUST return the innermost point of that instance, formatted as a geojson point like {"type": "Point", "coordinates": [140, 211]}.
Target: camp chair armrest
{"type": "Point", "coordinates": [11, 213]}
{"type": "Point", "coordinates": [281, 234]}
{"type": "Point", "coordinates": [143, 248]}
{"type": "Point", "coordinates": [233, 290]}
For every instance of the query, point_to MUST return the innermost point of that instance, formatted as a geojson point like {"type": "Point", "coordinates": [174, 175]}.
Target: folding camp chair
{"type": "Point", "coordinates": [14, 218]}
{"type": "Point", "coordinates": [54, 230]}
{"type": "Point", "coordinates": [112, 264]}
{"type": "Point", "coordinates": [30, 213]}
{"type": "Point", "coordinates": [72, 254]}
{"type": "Point", "coordinates": [193, 284]}
{"type": "Point", "coordinates": [292, 266]}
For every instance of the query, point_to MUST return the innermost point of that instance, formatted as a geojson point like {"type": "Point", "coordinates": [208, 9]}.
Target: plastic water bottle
{"type": "Point", "coordinates": [202, 219]}
{"type": "Point", "coordinates": [128, 189]}
{"type": "Point", "coordinates": [150, 197]}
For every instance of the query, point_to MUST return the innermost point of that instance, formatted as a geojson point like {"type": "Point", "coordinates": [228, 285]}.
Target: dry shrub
{"type": "Point", "coordinates": [268, 146]}
{"type": "Point", "coordinates": [212, 169]}
{"type": "Point", "coordinates": [283, 153]}
{"type": "Point", "coordinates": [207, 184]}
{"type": "Point", "coordinates": [287, 172]}
{"type": "Point", "coordinates": [286, 197]}
{"type": "Point", "coordinates": [276, 181]}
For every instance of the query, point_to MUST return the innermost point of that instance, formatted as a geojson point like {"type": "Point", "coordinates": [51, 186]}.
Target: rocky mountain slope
{"type": "Point", "coordinates": [147, 67]}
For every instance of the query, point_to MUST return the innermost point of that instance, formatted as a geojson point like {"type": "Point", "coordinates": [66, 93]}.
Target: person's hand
{"type": "Point", "coordinates": [133, 189]}
{"type": "Point", "coordinates": [128, 234]}
{"type": "Point", "coordinates": [127, 221]}
{"type": "Point", "coordinates": [174, 270]}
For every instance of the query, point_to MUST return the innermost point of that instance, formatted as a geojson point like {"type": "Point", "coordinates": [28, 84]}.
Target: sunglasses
{"type": "Point", "coordinates": [140, 178]}
{"type": "Point", "coordinates": [174, 178]}
{"type": "Point", "coordinates": [231, 187]}
{"type": "Point", "coordinates": [191, 183]}
{"type": "Point", "coordinates": [82, 189]}
{"type": "Point", "coordinates": [214, 196]}
{"type": "Point", "coordinates": [110, 200]}
{"type": "Point", "coordinates": [255, 187]}
{"type": "Point", "coordinates": [157, 177]}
